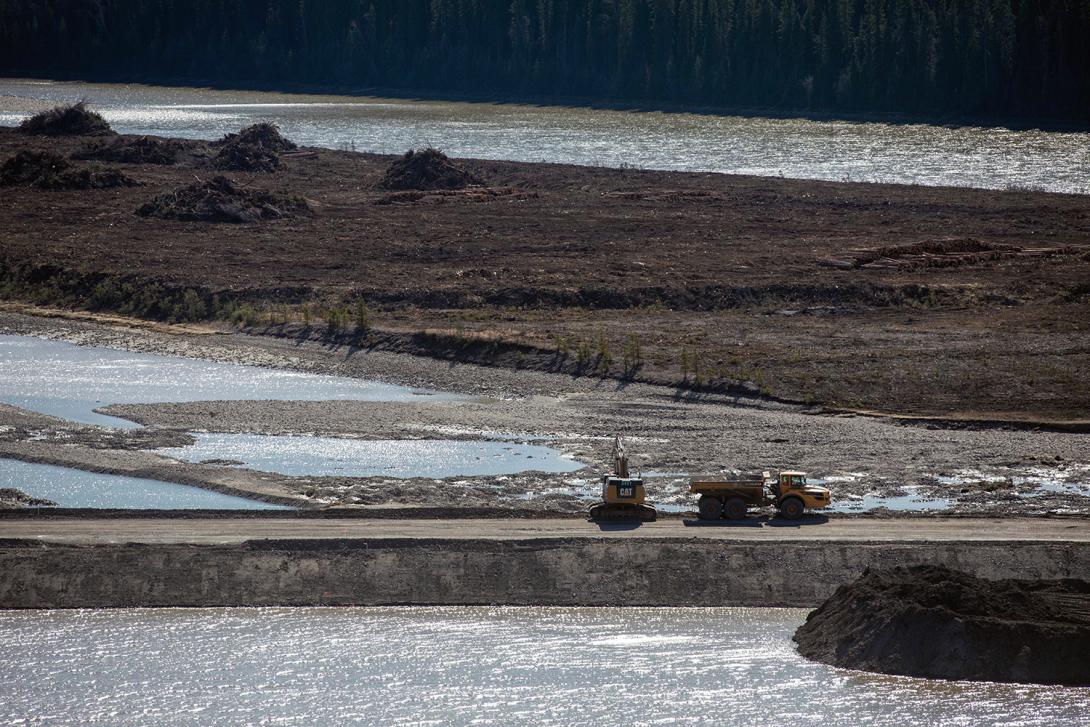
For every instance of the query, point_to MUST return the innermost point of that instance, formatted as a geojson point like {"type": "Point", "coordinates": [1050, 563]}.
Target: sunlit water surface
{"type": "Point", "coordinates": [996, 158]}
{"type": "Point", "coordinates": [490, 666]}
{"type": "Point", "coordinates": [69, 381]}
{"type": "Point", "coordinates": [75, 488]}
{"type": "Point", "coordinates": [337, 456]}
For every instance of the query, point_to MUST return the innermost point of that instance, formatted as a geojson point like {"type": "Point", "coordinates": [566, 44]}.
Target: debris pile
{"type": "Point", "coordinates": [67, 120]}
{"type": "Point", "coordinates": [254, 149]}
{"type": "Point", "coordinates": [133, 150]}
{"type": "Point", "coordinates": [46, 170]}
{"type": "Point", "coordinates": [221, 200]}
{"type": "Point", "coordinates": [427, 169]}
{"type": "Point", "coordinates": [930, 621]}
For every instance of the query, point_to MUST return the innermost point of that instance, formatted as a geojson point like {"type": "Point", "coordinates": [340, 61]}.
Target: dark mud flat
{"type": "Point", "coordinates": [921, 300]}
{"type": "Point", "coordinates": [934, 622]}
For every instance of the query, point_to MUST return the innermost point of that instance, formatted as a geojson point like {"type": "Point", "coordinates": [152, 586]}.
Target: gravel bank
{"type": "Point", "coordinates": [987, 470]}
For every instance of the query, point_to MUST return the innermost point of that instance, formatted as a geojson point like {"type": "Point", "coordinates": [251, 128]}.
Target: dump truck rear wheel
{"type": "Point", "coordinates": [735, 509]}
{"type": "Point", "coordinates": [792, 508]}
{"type": "Point", "coordinates": [710, 508]}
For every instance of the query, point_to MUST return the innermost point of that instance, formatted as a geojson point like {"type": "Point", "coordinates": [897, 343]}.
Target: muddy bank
{"type": "Point", "coordinates": [570, 572]}
{"type": "Point", "coordinates": [934, 622]}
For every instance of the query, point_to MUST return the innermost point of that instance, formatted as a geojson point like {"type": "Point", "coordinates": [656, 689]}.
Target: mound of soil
{"type": "Point", "coordinates": [254, 149]}
{"type": "Point", "coordinates": [930, 621]}
{"type": "Point", "coordinates": [67, 120]}
{"type": "Point", "coordinates": [221, 200]}
{"type": "Point", "coordinates": [11, 499]}
{"type": "Point", "coordinates": [139, 150]}
{"type": "Point", "coordinates": [46, 170]}
{"type": "Point", "coordinates": [427, 169]}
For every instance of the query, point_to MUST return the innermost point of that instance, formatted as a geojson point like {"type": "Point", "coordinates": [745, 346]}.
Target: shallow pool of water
{"type": "Point", "coordinates": [488, 666]}
{"type": "Point", "coordinates": [75, 488]}
{"type": "Point", "coordinates": [798, 148]}
{"type": "Point", "coordinates": [337, 456]}
{"type": "Point", "coordinates": [911, 501]}
{"type": "Point", "coordinates": [69, 381]}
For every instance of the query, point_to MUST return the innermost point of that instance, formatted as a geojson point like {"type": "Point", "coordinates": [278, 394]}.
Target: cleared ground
{"type": "Point", "coordinates": [224, 530]}
{"type": "Point", "coordinates": [933, 301]}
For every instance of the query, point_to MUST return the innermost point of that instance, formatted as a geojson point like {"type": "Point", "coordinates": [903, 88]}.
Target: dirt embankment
{"type": "Point", "coordinates": [931, 621]}
{"type": "Point", "coordinates": [893, 298]}
{"type": "Point", "coordinates": [480, 571]}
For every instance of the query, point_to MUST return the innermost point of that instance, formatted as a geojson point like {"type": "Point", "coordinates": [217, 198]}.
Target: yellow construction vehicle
{"type": "Point", "coordinates": [731, 499]}
{"type": "Point", "coordinates": [622, 496]}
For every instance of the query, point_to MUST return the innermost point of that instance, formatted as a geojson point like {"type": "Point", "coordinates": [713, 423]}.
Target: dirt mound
{"type": "Point", "coordinates": [221, 200]}
{"type": "Point", "coordinates": [46, 170]}
{"type": "Point", "coordinates": [254, 149]}
{"type": "Point", "coordinates": [67, 120]}
{"type": "Point", "coordinates": [11, 499]}
{"type": "Point", "coordinates": [139, 150]}
{"type": "Point", "coordinates": [427, 169]}
{"type": "Point", "coordinates": [930, 621]}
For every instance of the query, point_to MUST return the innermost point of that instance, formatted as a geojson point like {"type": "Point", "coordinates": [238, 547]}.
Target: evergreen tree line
{"type": "Point", "coordinates": [930, 57]}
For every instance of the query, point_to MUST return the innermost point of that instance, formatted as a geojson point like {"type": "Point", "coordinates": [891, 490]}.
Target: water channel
{"type": "Point", "coordinates": [962, 156]}
{"type": "Point", "coordinates": [69, 487]}
{"type": "Point", "coordinates": [71, 382]}
{"type": "Point", "coordinates": [486, 666]}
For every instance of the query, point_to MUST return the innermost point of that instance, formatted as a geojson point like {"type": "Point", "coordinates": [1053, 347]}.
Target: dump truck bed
{"type": "Point", "coordinates": [751, 490]}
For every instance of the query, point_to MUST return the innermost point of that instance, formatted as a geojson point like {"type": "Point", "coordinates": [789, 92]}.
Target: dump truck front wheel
{"type": "Point", "coordinates": [710, 508]}
{"type": "Point", "coordinates": [792, 508]}
{"type": "Point", "coordinates": [735, 509]}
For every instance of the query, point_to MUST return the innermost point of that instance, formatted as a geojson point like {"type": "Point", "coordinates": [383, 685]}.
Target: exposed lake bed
{"type": "Point", "coordinates": [870, 462]}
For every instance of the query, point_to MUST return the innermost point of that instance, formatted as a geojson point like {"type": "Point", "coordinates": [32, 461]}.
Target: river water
{"type": "Point", "coordinates": [71, 382]}
{"type": "Point", "coordinates": [486, 666]}
{"type": "Point", "coordinates": [75, 488]}
{"type": "Point", "coordinates": [962, 156]}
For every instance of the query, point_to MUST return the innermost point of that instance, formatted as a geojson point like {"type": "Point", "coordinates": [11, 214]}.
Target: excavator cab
{"type": "Point", "coordinates": [622, 495]}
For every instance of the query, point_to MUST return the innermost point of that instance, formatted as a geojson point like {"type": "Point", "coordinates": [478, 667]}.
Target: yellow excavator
{"type": "Point", "coordinates": [622, 495]}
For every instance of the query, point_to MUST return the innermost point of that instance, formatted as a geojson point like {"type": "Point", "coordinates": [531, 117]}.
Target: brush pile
{"type": "Point", "coordinates": [254, 149]}
{"type": "Point", "coordinates": [221, 200]}
{"type": "Point", "coordinates": [67, 120]}
{"type": "Point", "coordinates": [133, 150]}
{"type": "Point", "coordinates": [46, 170]}
{"type": "Point", "coordinates": [427, 169]}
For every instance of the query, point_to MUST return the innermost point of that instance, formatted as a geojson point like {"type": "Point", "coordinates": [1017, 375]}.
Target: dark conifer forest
{"type": "Point", "coordinates": [924, 57]}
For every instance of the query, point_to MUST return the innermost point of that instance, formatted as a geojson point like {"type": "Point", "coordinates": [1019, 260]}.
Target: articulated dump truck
{"type": "Point", "coordinates": [731, 499]}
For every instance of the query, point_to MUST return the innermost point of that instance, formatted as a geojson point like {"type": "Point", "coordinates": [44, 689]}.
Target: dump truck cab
{"type": "Point", "coordinates": [794, 485]}
{"type": "Point", "coordinates": [788, 491]}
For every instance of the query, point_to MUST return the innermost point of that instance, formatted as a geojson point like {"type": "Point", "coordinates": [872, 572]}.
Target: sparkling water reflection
{"type": "Point", "coordinates": [995, 158]}
{"type": "Point", "coordinates": [336, 456]}
{"type": "Point", "coordinates": [491, 666]}
{"type": "Point", "coordinates": [69, 381]}
{"type": "Point", "coordinates": [75, 488]}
